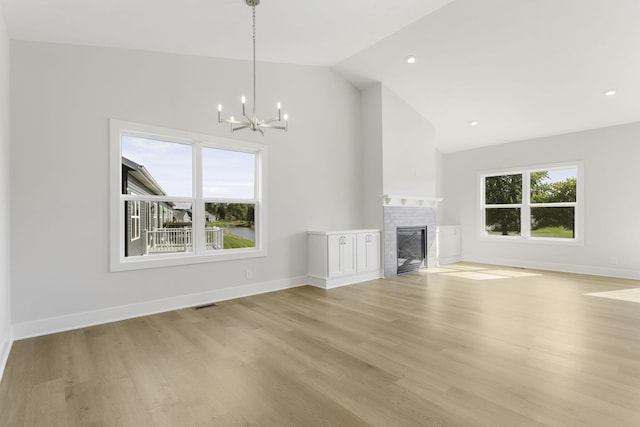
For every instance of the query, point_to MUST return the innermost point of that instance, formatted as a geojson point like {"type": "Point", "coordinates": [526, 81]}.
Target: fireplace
{"type": "Point", "coordinates": [412, 248]}
{"type": "Point", "coordinates": [411, 216]}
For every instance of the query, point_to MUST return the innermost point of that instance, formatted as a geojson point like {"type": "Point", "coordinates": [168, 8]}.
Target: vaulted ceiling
{"type": "Point", "coordinates": [519, 68]}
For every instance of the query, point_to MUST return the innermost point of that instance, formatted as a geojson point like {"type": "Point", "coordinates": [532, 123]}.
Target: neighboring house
{"type": "Point", "coordinates": [142, 216]}
{"type": "Point", "coordinates": [209, 217]}
{"type": "Point", "coordinates": [181, 216]}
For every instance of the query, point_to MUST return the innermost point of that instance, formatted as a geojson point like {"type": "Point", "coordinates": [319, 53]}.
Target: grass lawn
{"type": "Point", "coordinates": [499, 233]}
{"type": "Point", "coordinates": [558, 232]}
{"type": "Point", "coordinates": [231, 241]}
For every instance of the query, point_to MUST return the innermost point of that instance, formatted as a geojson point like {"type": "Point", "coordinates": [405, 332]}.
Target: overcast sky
{"type": "Point", "coordinates": [226, 174]}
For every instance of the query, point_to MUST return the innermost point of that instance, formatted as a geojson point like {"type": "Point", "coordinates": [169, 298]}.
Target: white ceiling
{"type": "Point", "coordinates": [521, 68]}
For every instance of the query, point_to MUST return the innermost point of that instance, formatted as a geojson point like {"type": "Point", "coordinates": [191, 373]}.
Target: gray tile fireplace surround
{"type": "Point", "coordinates": [406, 216]}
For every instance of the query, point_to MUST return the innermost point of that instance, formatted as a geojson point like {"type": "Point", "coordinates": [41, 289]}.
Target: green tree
{"type": "Point", "coordinates": [544, 191]}
{"type": "Point", "coordinates": [503, 190]}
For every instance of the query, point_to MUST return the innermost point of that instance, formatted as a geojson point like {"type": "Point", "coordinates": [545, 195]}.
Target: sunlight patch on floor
{"type": "Point", "coordinates": [476, 275]}
{"type": "Point", "coordinates": [632, 295]}
{"type": "Point", "coordinates": [439, 270]}
{"type": "Point", "coordinates": [473, 272]}
{"type": "Point", "coordinates": [511, 273]}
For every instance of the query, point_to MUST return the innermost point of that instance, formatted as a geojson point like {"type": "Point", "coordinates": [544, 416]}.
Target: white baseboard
{"type": "Point", "coordinates": [4, 356]}
{"type": "Point", "coordinates": [326, 283]}
{"type": "Point", "coordinates": [448, 260]}
{"type": "Point", "coordinates": [620, 273]}
{"type": "Point", "coordinates": [90, 318]}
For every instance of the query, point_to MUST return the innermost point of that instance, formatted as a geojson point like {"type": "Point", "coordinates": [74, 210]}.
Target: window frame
{"type": "Point", "coordinates": [526, 205]}
{"type": "Point", "coordinates": [118, 261]}
{"type": "Point", "coordinates": [135, 220]}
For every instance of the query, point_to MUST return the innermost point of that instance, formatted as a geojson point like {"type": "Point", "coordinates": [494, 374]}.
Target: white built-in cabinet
{"type": "Point", "coordinates": [338, 258]}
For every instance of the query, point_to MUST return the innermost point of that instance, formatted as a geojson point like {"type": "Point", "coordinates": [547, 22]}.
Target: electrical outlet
{"type": "Point", "coordinates": [248, 273]}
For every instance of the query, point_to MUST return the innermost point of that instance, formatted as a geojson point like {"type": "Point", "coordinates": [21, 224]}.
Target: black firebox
{"type": "Point", "coordinates": [412, 248]}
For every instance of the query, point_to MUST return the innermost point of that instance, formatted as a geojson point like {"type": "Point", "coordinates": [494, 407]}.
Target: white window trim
{"type": "Point", "coordinates": [135, 220]}
{"type": "Point", "coordinates": [526, 205]}
{"type": "Point", "coordinates": [118, 262]}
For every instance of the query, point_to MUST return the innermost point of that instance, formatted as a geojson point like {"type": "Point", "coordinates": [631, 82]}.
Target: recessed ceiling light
{"type": "Point", "coordinates": [474, 123]}
{"type": "Point", "coordinates": [610, 92]}
{"type": "Point", "coordinates": [411, 59]}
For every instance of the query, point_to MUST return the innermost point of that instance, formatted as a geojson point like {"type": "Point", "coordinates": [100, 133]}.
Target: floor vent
{"type": "Point", "coordinates": [198, 307]}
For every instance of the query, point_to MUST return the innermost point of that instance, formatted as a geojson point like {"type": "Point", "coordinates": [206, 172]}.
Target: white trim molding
{"type": "Point", "coordinates": [620, 273]}
{"type": "Point", "coordinates": [112, 314]}
{"type": "Point", "coordinates": [4, 355]}
{"type": "Point", "coordinates": [410, 201]}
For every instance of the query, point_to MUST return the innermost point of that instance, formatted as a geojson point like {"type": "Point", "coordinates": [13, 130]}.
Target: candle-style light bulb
{"type": "Point", "coordinates": [244, 100]}
{"type": "Point", "coordinates": [219, 107]}
{"type": "Point", "coordinates": [278, 105]}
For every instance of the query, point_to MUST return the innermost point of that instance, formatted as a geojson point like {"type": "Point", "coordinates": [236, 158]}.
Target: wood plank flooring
{"type": "Point", "coordinates": [435, 348]}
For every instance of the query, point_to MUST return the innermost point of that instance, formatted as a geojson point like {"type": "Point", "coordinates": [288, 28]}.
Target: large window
{"type": "Point", "coordinates": [541, 203]}
{"type": "Point", "coordinates": [179, 197]}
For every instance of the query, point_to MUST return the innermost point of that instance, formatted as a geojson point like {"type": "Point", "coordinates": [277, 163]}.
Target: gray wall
{"type": "Point", "coordinates": [5, 202]}
{"type": "Point", "coordinates": [611, 229]}
{"type": "Point", "coordinates": [62, 99]}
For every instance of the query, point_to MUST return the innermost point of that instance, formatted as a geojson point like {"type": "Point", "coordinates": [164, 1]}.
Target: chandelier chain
{"type": "Point", "coordinates": [254, 60]}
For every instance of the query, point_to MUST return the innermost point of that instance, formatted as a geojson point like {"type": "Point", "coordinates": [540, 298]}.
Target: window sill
{"type": "Point", "coordinates": [533, 240]}
{"type": "Point", "coordinates": [171, 260]}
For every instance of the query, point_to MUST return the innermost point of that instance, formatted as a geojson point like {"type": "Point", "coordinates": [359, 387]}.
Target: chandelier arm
{"type": "Point", "coordinates": [268, 126]}
{"type": "Point", "coordinates": [272, 120]}
{"type": "Point", "coordinates": [239, 127]}
{"type": "Point", "coordinates": [234, 122]}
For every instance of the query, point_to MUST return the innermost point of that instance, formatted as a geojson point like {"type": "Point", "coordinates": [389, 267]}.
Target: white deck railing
{"type": "Point", "coordinates": [165, 240]}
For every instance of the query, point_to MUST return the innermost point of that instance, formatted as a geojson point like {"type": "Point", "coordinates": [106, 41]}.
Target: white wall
{"type": "Point", "coordinates": [62, 98]}
{"type": "Point", "coordinates": [409, 154]}
{"type": "Point", "coordinates": [371, 124]}
{"type": "Point", "coordinates": [398, 152]}
{"type": "Point", "coordinates": [611, 203]}
{"type": "Point", "coordinates": [5, 202]}
{"type": "Point", "coordinates": [439, 168]}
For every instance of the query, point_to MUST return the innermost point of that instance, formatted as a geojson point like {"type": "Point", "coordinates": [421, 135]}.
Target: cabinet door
{"type": "Point", "coordinates": [373, 252]}
{"type": "Point", "coordinates": [341, 254]}
{"type": "Point", "coordinates": [349, 254]}
{"type": "Point", "coordinates": [368, 251]}
{"type": "Point", "coordinates": [334, 249]}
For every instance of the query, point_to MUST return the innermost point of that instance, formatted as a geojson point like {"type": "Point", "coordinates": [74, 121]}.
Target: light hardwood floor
{"type": "Point", "coordinates": [426, 349]}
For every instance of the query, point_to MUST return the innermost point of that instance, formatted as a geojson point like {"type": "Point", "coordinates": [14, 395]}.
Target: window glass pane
{"type": "Point", "coordinates": [553, 186]}
{"type": "Point", "coordinates": [228, 174]}
{"type": "Point", "coordinates": [503, 189]}
{"type": "Point", "coordinates": [156, 167]}
{"type": "Point", "coordinates": [230, 225]}
{"type": "Point", "coordinates": [157, 227]}
{"type": "Point", "coordinates": [553, 222]}
{"type": "Point", "coordinates": [502, 221]}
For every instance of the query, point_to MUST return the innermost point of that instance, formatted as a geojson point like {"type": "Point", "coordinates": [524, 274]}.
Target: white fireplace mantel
{"type": "Point", "coordinates": [410, 201]}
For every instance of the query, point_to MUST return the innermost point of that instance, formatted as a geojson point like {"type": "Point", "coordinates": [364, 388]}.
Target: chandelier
{"type": "Point", "coordinates": [253, 122]}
